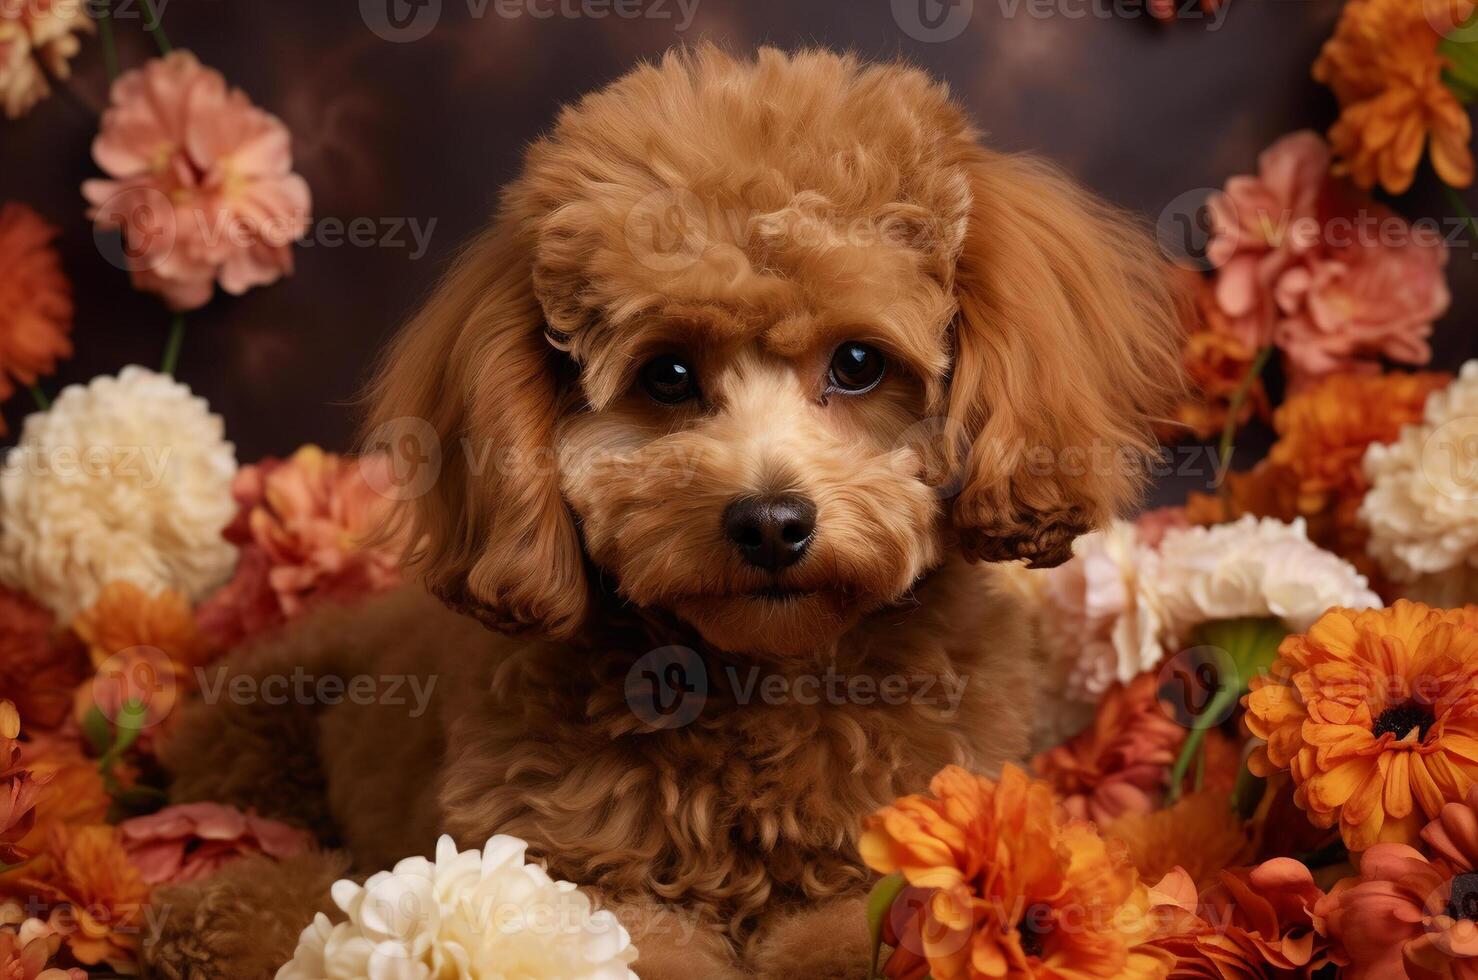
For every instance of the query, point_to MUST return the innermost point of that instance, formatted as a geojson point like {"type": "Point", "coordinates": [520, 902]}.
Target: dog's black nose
{"type": "Point", "coordinates": [771, 532]}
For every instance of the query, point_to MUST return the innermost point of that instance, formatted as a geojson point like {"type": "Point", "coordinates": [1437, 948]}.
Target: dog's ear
{"type": "Point", "coordinates": [472, 382]}
{"type": "Point", "coordinates": [1065, 350]}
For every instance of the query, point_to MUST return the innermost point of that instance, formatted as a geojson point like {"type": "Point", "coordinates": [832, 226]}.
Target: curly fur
{"type": "Point", "coordinates": [815, 199]}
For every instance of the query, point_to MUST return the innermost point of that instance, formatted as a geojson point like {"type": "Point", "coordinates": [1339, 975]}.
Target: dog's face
{"type": "Point", "coordinates": [761, 343]}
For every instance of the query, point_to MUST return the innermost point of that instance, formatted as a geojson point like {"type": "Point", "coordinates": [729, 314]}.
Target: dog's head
{"type": "Point", "coordinates": [758, 343]}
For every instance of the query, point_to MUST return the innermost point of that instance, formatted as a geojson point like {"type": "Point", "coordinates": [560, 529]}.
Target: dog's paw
{"type": "Point", "coordinates": [240, 924]}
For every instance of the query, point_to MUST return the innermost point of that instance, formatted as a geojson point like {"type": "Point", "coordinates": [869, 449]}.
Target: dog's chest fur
{"type": "Point", "coordinates": [760, 797]}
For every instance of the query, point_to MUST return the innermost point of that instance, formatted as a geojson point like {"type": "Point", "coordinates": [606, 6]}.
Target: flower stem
{"type": "Point", "coordinates": [1456, 200]}
{"type": "Point", "coordinates": [155, 27]}
{"type": "Point", "coordinates": [173, 345]}
{"type": "Point", "coordinates": [39, 397]}
{"type": "Point", "coordinates": [105, 31]}
{"type": "Point", "coordinates": [1234, 413]}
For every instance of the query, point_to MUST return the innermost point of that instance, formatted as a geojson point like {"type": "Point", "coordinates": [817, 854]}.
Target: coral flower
{"type": "Point", "coordinates": [35, 296]}
{"type": "Point", "coordinates": [73, 796]}
{"type": "Point", "coordinates": [202, 186]}
{"type": "Point", "coordinates": [25, 953]}
{"type": "Point", "coordinates": [1385, 68]}
{"type": "Point", "coordinates": [1253, 924]}
{"type": "Point", "coordinates": [96, 897]}
{"type": "Point", "coordinates": [192, 840]}
{"type": "Point", "coordinates": [1217, 359]}
{"type": "Point", "coordinates": [1121, 764]}
{"type": "Point", "coordinates": [1010, 891]}
{"type": "Point", "coordinates": [19, 788]}
{"type": "Point", "coordinates": [38, 669]}
{"type": "Point", "coordinates": [304, 528]}
{"type": "Point", "coordinates": [1375, 714]}
{"type": "Point", "coordinates": [37, 38]}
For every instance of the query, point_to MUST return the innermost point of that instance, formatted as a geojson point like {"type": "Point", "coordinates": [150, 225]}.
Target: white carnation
{"type": "Point", "coordinates": [1099, 622]}
{"type": "Point", "coordinates": [1251, 568]}
{"type": "Point", "coordinates": [1422, 508]}
{"type": "Point", "coordinates": [486, 915]}
{"type": "Point", "coordinates": [125, 479]}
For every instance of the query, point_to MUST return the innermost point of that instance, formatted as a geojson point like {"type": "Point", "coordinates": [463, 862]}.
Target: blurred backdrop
{"type": "Point", "coordinates": [405, 128]}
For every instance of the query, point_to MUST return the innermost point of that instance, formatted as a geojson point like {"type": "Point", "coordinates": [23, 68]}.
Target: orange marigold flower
{"type": "Point", "coordinates": [96, 896]}
{"type": "Point", "coordinates": [1385, 68]}
{"type": "Point", "coordinates": [38, 670]}
{"type": "Point", "coordinates": [1121, 763]}
{"type": "Point", "coordinates": [1375, 714]}
{"type": "Point", "coordinates": [1253, 924]}
{"type": "Point", "coordinates": [1009, 890]}
{"type": "Point", "coordinates": [19, 788]}
{"type": "Point", "coordinates": [1216, 359]}
{"type": "Point", "coordinates": [35, 301]}
{"type": "Point", "coordinates": [1200, 834]}
{"type": "Point", "coordinates": [73, 796]}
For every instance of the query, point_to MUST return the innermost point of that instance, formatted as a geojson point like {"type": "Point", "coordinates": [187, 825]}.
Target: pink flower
{"type": "Point", "coordinates": [1310, 263]}
{"type": "Point", "coordinates": [305, 529]}
{"type": "Point", "coordinates": [203, 187]}
{"type": "Point", "coordinates": [1261, 225]}
{"type": "Point", "coordinates": [193, 840]}
{"type": "Point", "coordinates": [1153, 525]}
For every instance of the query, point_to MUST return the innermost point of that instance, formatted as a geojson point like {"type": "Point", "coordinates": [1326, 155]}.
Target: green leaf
{"type": "Point", "coordinates": [879, 901]}
{"type": "Point", "coordinates": [98, 732]}
{"type": "Point", "coordinates": [1460, 48]}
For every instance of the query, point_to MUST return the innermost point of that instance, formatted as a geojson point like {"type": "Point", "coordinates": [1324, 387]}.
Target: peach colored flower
{"type": "Point", "coordinates": [35, 296]}
{"type": "Point", "coordinates": [305, 529]}
{"type": "Point", "coordinates": [1385, 68]}
{"type": "Point", "coordinates": [26, 951]}
{"type": "Point", "coordinates": [1121, 764]}
{"type": "Point", "coordinates": [37, 38]}
{"type": "Point", "coordinates": [1199, 834]}
{"type": "Point", "coordinates": [38, 669]}
{"type": "Point", "coordinates": [1006, 890]}
{"type": "Point", "coordinates": [1403, 917]}
{"type": "Point", "coordinates": [1253, 924]}
{"type": "Point", "coordinates": [1375, 714]}
{"type": "Point", "coordinates": [202, 188]}
{"type": "Point", "coordinates": [95, 896]}
{"type": "Point", "coordinates": [193, 840]}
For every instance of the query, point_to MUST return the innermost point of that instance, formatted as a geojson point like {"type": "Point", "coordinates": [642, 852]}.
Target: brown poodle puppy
{"type": "Point", "coordinates": [758, 359]}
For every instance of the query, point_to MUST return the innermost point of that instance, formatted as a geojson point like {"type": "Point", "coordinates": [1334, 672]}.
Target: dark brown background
{"type": "Point", "coordinates": [428, 129]}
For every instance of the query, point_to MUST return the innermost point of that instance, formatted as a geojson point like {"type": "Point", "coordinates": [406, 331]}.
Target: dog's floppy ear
{"type": "Point", "coordinates": [1065, 349]}
{"type": "Point", "coordinates": [473, 376]}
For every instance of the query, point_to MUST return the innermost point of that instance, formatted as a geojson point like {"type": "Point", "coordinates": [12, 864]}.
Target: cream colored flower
{"type": "Point", "coordinates": [1422, 508]}
{"type": "Point", "coordinates": [1251, 568]}
{"type": "Point", "coordinates": [37, 37]}
{"type": "Point", "coordinates": [464, 915]}
{"type": "Point", "coordinates": [1099, 624]}
{"type": "Point", "coordinates": [127, 479]}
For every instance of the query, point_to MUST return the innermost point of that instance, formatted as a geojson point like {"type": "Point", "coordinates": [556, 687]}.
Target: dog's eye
{"type": "Point", "coordinates": [856, 368]}
{"type": "Point", "coordinates": [669, 380]}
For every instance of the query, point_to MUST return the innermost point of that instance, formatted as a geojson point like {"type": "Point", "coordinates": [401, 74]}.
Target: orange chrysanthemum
{"type": "Point", "coordinates": [1385, 68]}
{"type": "Point", "coordinates": [96, 897]}
{"type": "Point", "coordinates": [126, 616]}
{"type": "Point", "coordinates": [1375, 714]}
{"type": "Point", "coordinates": [1324, 432]}
{"type": "Point", "coordinates": [1200, 834]}
{"type": "Point", "coordinates": [1216, 359]}
{"type": "Point", "coordinates": [1009, 890]}
{"type": "Point", "coordinates": [35, 300]}
{"type": "Point", "coordinates": [19, 788]}
{"type": "Point", "coordinates": [74, 796]}
{"type": "Point", "coordinates": [1253, 924]}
